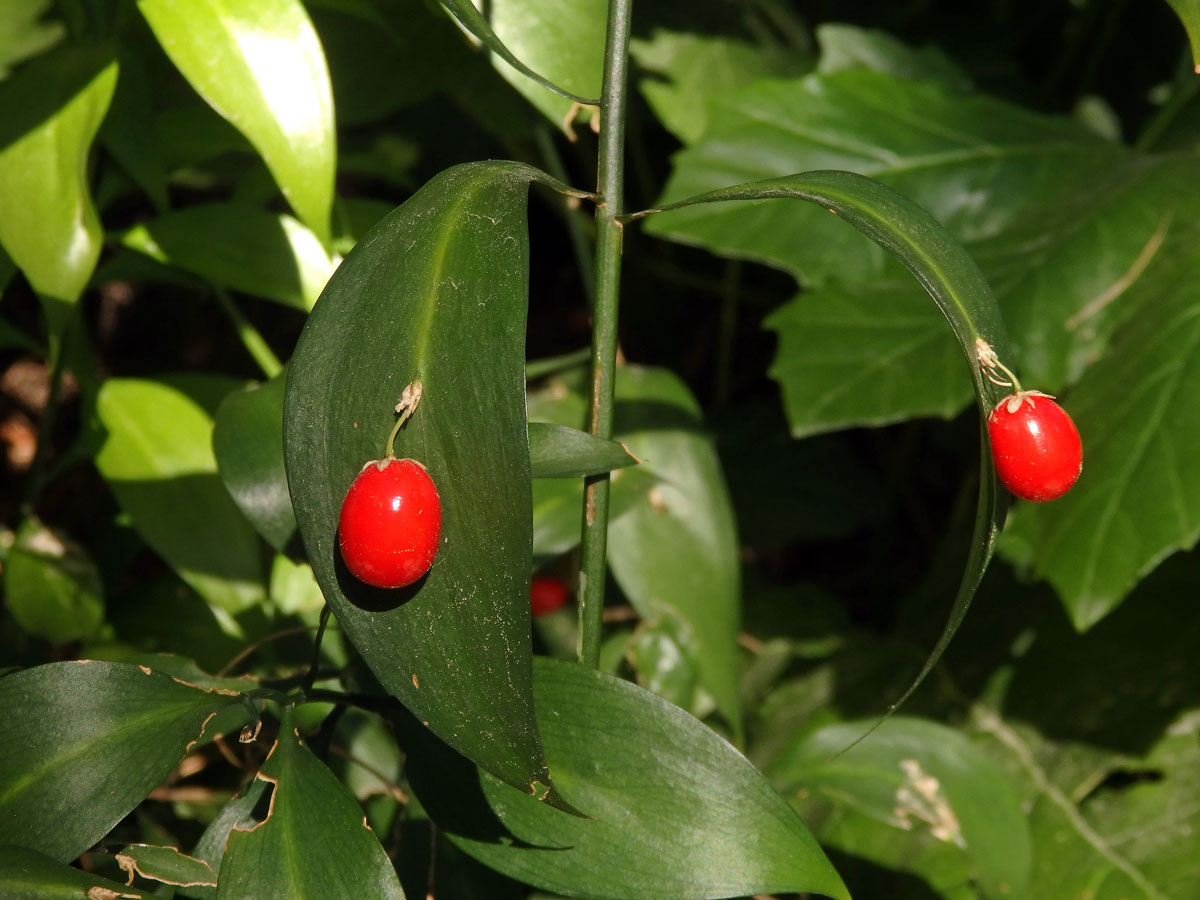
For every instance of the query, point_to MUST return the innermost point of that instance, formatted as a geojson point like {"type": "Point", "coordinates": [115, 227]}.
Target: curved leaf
{"type": "Point", "coordinates": [1189, 14]}
{"type": "Point", "coordinates": [50, 112]}
{"type": "Point", "coordinates": [166, 865]}
{"type": "Point", "coordinates": [675, 810]}
{"type": "Point", "coordinates": [30, 875]}
{"type": "Point", "coordinates": [472, 20]}
{"type": "Point", "coordinates": [157, 457]}
{"type": "Point", "coordinates": [260, 65]}
{"type": "Point", "coordinates": [82, 743]}
{"type": "Point", "coordinates": [558, 451]}
{"type": "Point", "coordinates": [435, 293]}
{"type": "Point", "coordinates": [953, 280]}
{"type": "Point", "coordinates": [240, 247]}
{"type": "Point", "coordinates": [314, 841]}
{"type": "Point", "coordinates": [917, 775]}
{"type": "Point", "coordinates": [248, 444]}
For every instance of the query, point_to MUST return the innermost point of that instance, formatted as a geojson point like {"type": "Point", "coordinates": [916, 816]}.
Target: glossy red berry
{"type": "Point", "coordinates": [390, 524]}
{"type": "Point", "coordinates": [1035, 446]}
{"type": "Point", "coordinates": [546, 594]}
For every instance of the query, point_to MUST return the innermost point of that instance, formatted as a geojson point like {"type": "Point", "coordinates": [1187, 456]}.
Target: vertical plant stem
{"type": "Point", "coordinates": [255, 344]}
{"type": "Point", "coordinates": [604, 327]}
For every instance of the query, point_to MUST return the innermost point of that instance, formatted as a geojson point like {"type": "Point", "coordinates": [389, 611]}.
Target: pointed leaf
{"type": "Point", "coordinates": [166, 865]}
{"type": "Point", "coordinates": [29, 875]}
{"type": "Point", "coordinates": [314, 841]}
{"type": "Point", "coordinates": [82, 743]}
{"type": "Point", "coordinates": [675, 810]}
{"type": "Point", "coordinates": [557, 451]}
{"type": "Point", "coordinates": [951, 278]}
{"type": "Point", "coordinates": [260, 65]}
{"type": "Point", "coordinates": [239, 247]}
{"type": "Point", "coordinates": [472, 20]}
{"type": "Point", "coordinates": [435, 293]}
{"type": "Point", "coordinates": [1189, 14]}
{"type": "Point", "coordinates": [916, 775]}
{"type": "Point", "coordinates": [50, 112]}
{"type": "Point", "coordinates": [248, 444]}
{"type": "Point", "coordinates": [158, 460]}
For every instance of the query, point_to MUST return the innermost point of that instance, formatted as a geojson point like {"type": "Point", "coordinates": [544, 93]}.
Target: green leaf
{"type": "Point", "coordinates": [158, 459]}
{"type": "Point", "coordinates": [314, 841]}
{"type": "Point", "coordinates": [536, 34]}
{"type": "Point", "coordinates": [435, 293]}
{"type": "Point", "coordinates": [1138, 498]}
{"type": "Point", "coordinates": [51, 586]}
{"type": "Point", "coordinates": [23, 33]}
{"type": "Point", "coordinates": [237, 813]}
{"type": "Point", "coordinates": [248, 445]}
{"type": "Point", "coordinates": [955, 284]}
{"type": "Point", "coordinates": [707, 824]}
{"type": "Point", "coordinates": [675, 553]}
{"type": "Point", "coordinates": [920, 777]}
{"type": "Point", "coordinates": [82, 743]}
{"type": "Point", "coordinates": [240, 247]}
{"type": "Point", "coordinates": [851, 47]}
{"type": "Point", "coordinates": [30, 875]}
{"type": "Point", "coordinates": [166, 865]}
{"type": "Point", "coordinates": [1189, 14]}
{"type": "Point", "coordinates": [259, 64]}
{"type": "Point", "coordinates": [557, 451]}
{"type": "Point", "coordinates": [50, 112]}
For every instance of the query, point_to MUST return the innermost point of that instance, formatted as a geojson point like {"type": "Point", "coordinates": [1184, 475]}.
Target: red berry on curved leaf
{"type": "Point", "coordinates": [1035, 446]}
{"type": "Point", "coordinates": [390, 523]}
{"type": "Point", "coordinates": [546, 594]}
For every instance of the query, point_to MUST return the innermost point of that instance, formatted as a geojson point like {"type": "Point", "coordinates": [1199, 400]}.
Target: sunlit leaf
{"type": "Point", "coordinates": [1189, 13]}
{"type": "Point", "coordinates": [51, 586]}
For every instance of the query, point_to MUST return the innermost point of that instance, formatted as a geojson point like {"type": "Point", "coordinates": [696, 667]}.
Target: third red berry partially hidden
{"type": "Point", "coordinates": [1035, 446]}
{"type": "Point", "coordinates": [546, 594]}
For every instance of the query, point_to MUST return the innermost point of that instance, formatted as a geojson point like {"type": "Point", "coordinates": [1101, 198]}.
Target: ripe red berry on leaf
{"type": "Point", "coordinates": [546, 594]}
{"type": "Point", "coordinates": [1035, 446]}
{"type": "Point", "coordinates": [391, 523]}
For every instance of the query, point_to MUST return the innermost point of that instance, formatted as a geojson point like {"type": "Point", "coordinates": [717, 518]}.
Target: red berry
{"type": "Point", "coordinates": [390, 523]}
{"type": "Point", "coordinates": [1035, 446]}
{"type": "Point", "coordinates": [546, 594]}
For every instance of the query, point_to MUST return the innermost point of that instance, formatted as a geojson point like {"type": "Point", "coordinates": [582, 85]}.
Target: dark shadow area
{"type": "Point", "coordinates": [45, 85]}
{"type": "Point", "coordinates": [866, 879]}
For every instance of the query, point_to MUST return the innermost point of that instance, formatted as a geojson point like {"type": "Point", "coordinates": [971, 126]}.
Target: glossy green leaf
{"type": "Point", "coordinates": [951, 278]}
{"type": "Point", "coordinates": [665, 663]}
{"type": "Point", "coordinates": [239, 247]}
{"type": "Point", "coordinates": [239, 812]}
{"type": "Point", "coordinates": [82, 743]}
{"type": "Point", "coordinates": [166, 865]}
{"type": "Point", "coordinates": [29, 875]}
{"type": "Point", "coordinates": [51, 586]}
{"type": "Point", "coordinates": [920, 777]}
{"type": "Point", "coordinates": [556, 451]}
{"type": "Point", "coordinates": [1138, 498]}
{"type": "Point", "coordinates": [1189, 14]}
{"type": "Point", "coordinates": [435, 293]}
{"type": "Point", "coordinates": [676, 551]}
{"type": "Point", "coordinates": [314, 841]}
{"type": "Point", "coordinates": [538, 36]}
{"type": "Point", "coordinates": [248, 445]}
{"type": "Point", "coordinates": [260, 65]}
{"type": "Point", "coordinates": [50, 112]}
{"type": "Point", "coordinates": [158, 460]}
{"type": "Point", "coordinates": [706, 824]}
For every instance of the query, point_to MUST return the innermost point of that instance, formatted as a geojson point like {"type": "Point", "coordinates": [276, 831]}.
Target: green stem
{"type": "Point", "coordinates": [255, 344]}
{"type": "Point", "coordinates": [604, 327]}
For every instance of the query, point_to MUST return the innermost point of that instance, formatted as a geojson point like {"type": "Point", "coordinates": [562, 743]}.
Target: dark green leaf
{"type": "Point", "coordinates": [556, 451]}
{"type": "Point", "coordinates": [676, 551]}
{"type": "Point", "coordinates": [158, 460]}
{"type": "Point", "coordinates": [25, 33]}
{"type": "Point", "coordinates": [954, 282]}
{"type": "Point", "coordinates": [248, 444]}
{"type": "Point", "coordinates": [166, 865]}
{"type": "Point", "coordinates": [313, 843]}
{"type": "Point", "coordinates": [1189, 13]}
{"type": "Point", "coordinates": [707, 824]}
{"type": "Point", "coordinates": [545, 37]}
{"type": "Point", "coordinates": [28, 875]}
{"type": "Point", "coordinates": [261, 67]}
{"type": "Point", "coordinates": [850, 47]}
{"type": "Point", "coordinates": [237, 813]}
{"type": "Point", "coordinates": [50, 112]}
{"type": "Point", "coordinates": [82, 743]}
{"type": "Point", "coordinates": [51, 586]}
{"type": "Point", "coordinates": [124, 130]}
{"type": "Point", "coordinates": [435, 293]}
{"type": "Point", "coordinates": [918, 777]}
{"type": "Point", "coordinates": [239, 247]}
